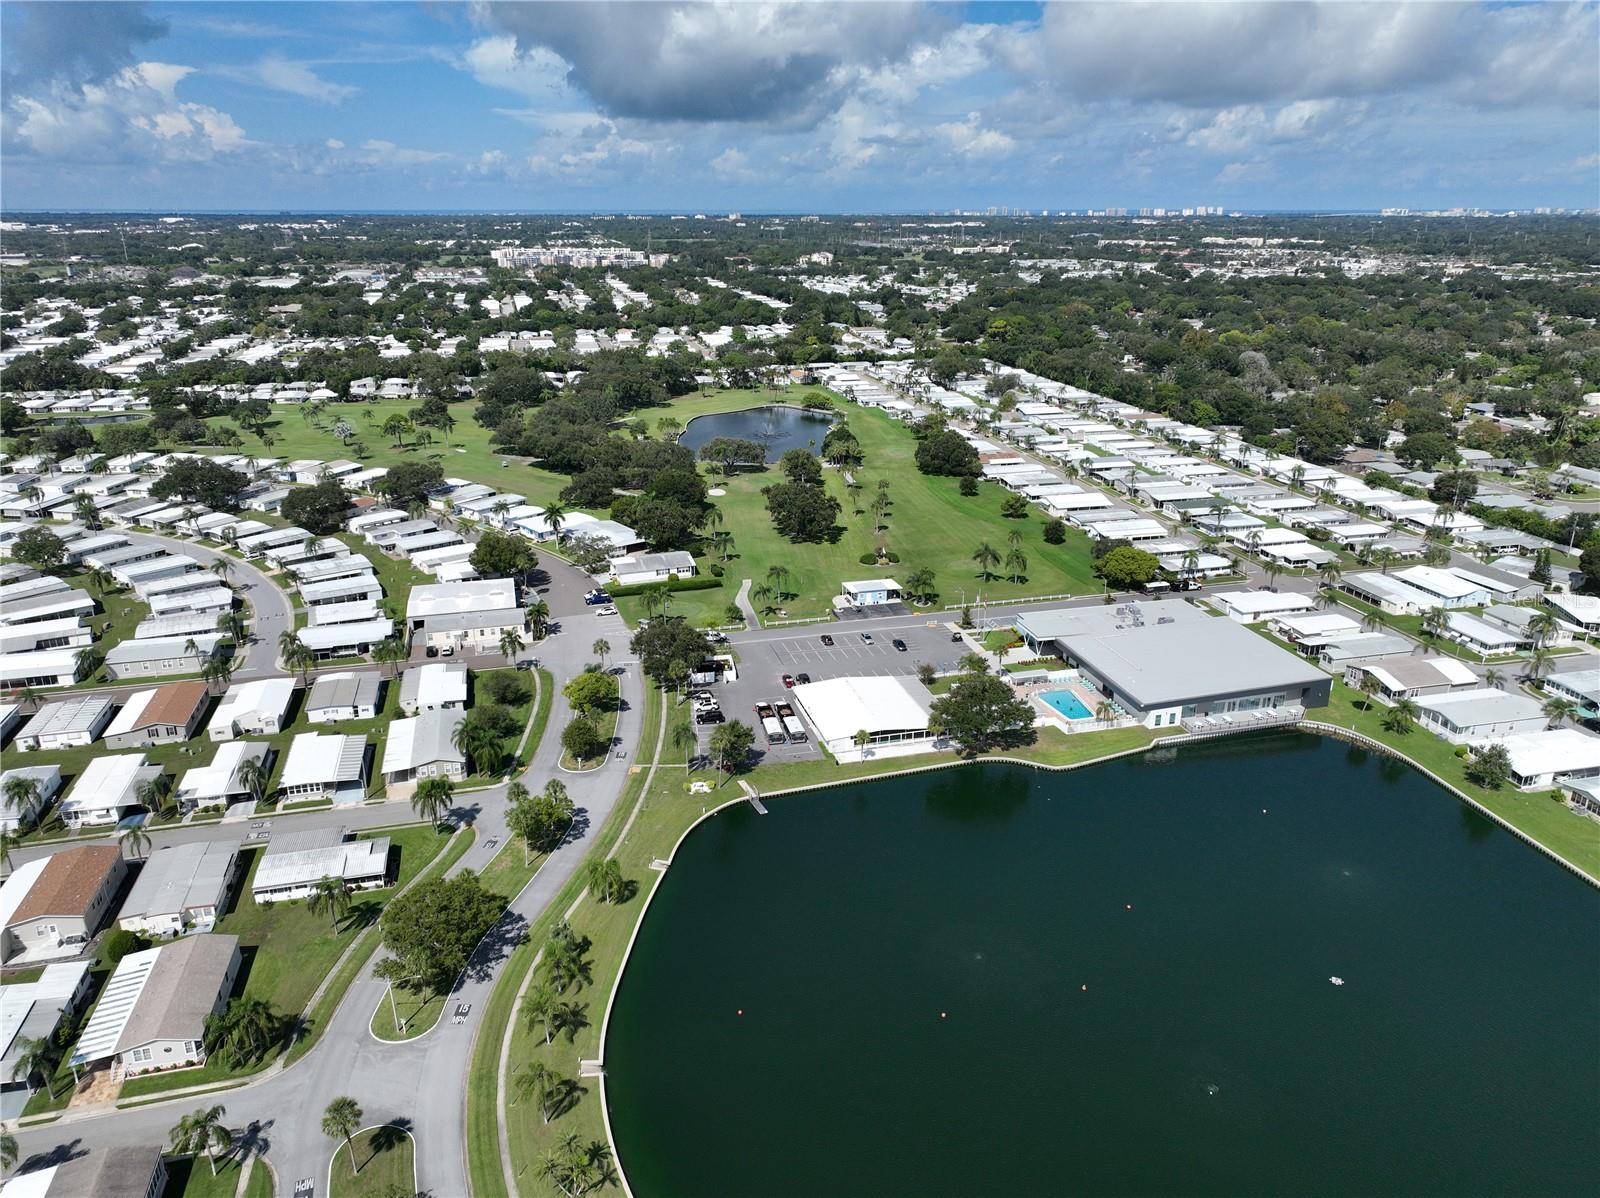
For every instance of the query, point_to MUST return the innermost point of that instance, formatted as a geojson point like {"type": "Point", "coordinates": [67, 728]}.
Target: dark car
{"type": "Point", "coordinates": [596, 598]}
{"type": "Point", "coordinates": [827, 640]}
{"type": "Point", "coordinates": [802, 679]}
{"type": "Point", "coordinates": [955, 637]}
{"type": "Point", "coordinates": [788, 680]}
{"type": "Point", "coordinates": [899, 644]}
{"type": "Point", "coordinates": [711, 715]}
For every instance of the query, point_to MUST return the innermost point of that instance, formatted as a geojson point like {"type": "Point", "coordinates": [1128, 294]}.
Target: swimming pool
{"type": "Point", "coordinates": [1067, 704]}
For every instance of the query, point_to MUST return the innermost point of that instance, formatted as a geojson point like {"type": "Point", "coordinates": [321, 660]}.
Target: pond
{"type": "Point", "coordinates": [778, 427]}
{"type": "Point", "coordinates": [1114, 981]}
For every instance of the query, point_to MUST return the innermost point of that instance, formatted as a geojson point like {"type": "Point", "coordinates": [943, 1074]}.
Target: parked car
{"type": "Point", "coordinates": [595, 598]}
{"type": "Point", "coordinates": [827, 640]}
{"type": "Point", "coordinates": [955, 638]}
{"type": "Point", "coordinates": [447, 651]}
{"type": "Point", "coordinates": [710, 715]}
{"type": "Point", "coordinates": [609, 609]}
{"type": "Point", "coordinates": [866, 638]}
{"type": "Point", "coordinates": [432, 652]}
{"type": "Point", "coordinates": [803, 679]}
{"type": "Point", "coordinates": [717, 638]}
{"type": "Point", "coordinates": [788, 681]}
{"type": "Point", "coordinates": [899, 644]}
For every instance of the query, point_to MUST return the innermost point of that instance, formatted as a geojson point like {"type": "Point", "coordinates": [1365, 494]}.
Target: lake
{"type": "Point", "coordinates": [777, 427]}
{"type": "Point", "coordinates": [1114, 981]}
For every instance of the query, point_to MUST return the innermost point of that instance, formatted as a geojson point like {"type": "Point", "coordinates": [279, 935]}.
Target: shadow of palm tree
{"type": "Point", "coordinates": [388, 1137]}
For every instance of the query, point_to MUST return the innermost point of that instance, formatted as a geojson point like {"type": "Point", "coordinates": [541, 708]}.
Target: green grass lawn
{"type": "Point", "coordinates": [120, 613]}
{"type": "Point", "coordinates": [929, 525]}
{"type": "Point", "coordinates": [191, 1177]}
{"type": "Point", "coordinates": [520, 712]}
{"type": "Point", "coordinates": [290, 950]}
{"type": "Point", "coordinates": [384, 1163]}
{"type": "Point", "coordinates": [606, 721]}
{"type": "Point", "coordinates": [465, 454]}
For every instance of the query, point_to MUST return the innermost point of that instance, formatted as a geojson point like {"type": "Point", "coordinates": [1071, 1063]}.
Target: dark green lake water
{"type": "Point", "coordinates": [1209, 1053]}
{"type": "Point", "coordinates": [778, 427]}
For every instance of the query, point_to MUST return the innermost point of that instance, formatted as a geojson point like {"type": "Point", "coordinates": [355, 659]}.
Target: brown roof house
{"type": "Point", "coordinates": [51, 907]}
{"type": "Point", "coordinates": [160, 716]}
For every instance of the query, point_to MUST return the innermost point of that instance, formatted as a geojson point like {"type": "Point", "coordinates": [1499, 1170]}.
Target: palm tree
{"type": "Point", "coordinates": [216, 668]}
{"type": "Point", "coordinates": [555, 516]}
{"type": "Point", "coordinates": [1544, 627]}
{"type": "Point", "coordinates": [987, 556]}
{"type": "Point", "coordinates": [1369, 686]}
{"type": "Point", "coordinates": [245, 1030]}
{"type": "Point", "coordinates": [152, 793]}
{"type": "Point", "coordinates": [389, 653]}
{"type": "Point", "coordinates": [1384, 556]}
{"type": "Point", "coordinates": [86, 660]}
{"type": "Point", "coordinates": [538, 1010]}
{"type": "Point", "coordinates": [601, 648]}
{"type": "Point", "coordinates": [253, 775]}
{"type": "Point", "coordinates": [1329, 573]}
{"type": "Point", "coordinates": [1016, 565]}
{"type": "Point", "coordinates": [29, 698]}
{"type": "Point", "coordinates": [21, 796]}
{"type": "Point", "coordinates": [605, 881]}
{"type": "Point", "coordinates": [1402, 716]}
{"type": "Point", "coordinates": [288, 642]}
{"type": "Point", "coordinates": [1104, 713]}
{"type": "Point", "coordinates": [723, 540]}
{"type": "Point", "coordinates": [1559, 710]}
{"type": "Point", "coordinates": [340, 1121]}
{"type": "Point", "coordinates": [8, 1150]}
{"type": "Point", "coordinates": [478, 744]}
{"type": "Point", "coordinates": [331, 896]}
{"type": "Point", "coordinates": [135, 839]}
{"type": "Point", "coordinates": [537, 1081]}
{"type": "Point", "coordinates": [539, 617]}
{"type": "Point", "coordinates": [1494, 677]}
{"type": "Point", "coordinates": [232, 623]}
{"type": "Point", "coordinates": [861, 738]}
{"type": "Point", "coordinates": [920, 583]}
{"type": "Point", "coordinates": [38, 1055]}
{"type": "Point", "coordinates": [222, 567]}
{"type": "Point", "coordinates": [434, 797]}
{"type": "Point", "coordinates": [202, 1131]}
{"type": "Point", "coordinates": [1539, 663]}
{"type": "Point", "coordinates": [684, 739]}
{"type": "Point", "coordinates": [510, 643]}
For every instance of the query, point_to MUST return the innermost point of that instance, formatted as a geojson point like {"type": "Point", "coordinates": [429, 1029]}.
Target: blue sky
{"type": "Point", "coordinates": [798, 106]}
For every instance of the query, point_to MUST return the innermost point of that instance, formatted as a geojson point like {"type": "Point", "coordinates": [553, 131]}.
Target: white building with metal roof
{"type": "Point", "coordinates": [181, 889]}
{"type": "Point", "coordinates": [432, 686]}
{"type": "Point", "coordinates": [324, 765]}
{"type": "Point", "coordinates": [1483, 713]}
{"type": "Point", "coordinates": [424, 747]}
{"type": "Point", "coordinates": [894, 713]}
{"type": "Point", "coordinates": [222, 782]}
{"type": "Point", "coordinates": [294, 863]}
{"type": "Point", "coordinates": [152, 1012]}
{"type": "Point", "coordinates": [255, 708]}
{"type": "Point", "coordinates": [66, 724]}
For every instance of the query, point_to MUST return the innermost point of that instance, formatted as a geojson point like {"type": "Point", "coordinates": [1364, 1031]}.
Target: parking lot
{"type": "Point", "coordinates": [764, 661]}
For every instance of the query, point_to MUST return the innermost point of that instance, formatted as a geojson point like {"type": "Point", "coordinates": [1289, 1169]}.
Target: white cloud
{"type": "Point", "coordinates": [969, 139]}
{"type": "Point", "coordinates": [134, 115]}
{"type": "Point", "coordinates": [291, 77]}
{"type": "Point", "coordinates": [732, 164]}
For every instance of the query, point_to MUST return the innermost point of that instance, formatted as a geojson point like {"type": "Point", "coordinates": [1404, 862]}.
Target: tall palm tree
{"type": "Point", "coordinates": [538, 614]}
{"type": "Point", "coordinates": [1559, 710]}
{"type": "Point", "coordinates": [389, 653]}
{"type": "Point", "coordinates": [8, 1150]}
{"type": "Point", "coordinates": [685, 741]}
{"type": "Point", "coordinates": [987, 556]}
{"type": "Point", "coordinates": [245, 1030]}
{"type": "Point", "coordinates": [1402, 716]}
{"type": "Point", "coordinates": [37, 1055]}
{"type": "Point", "coordinates": [1369, 686]}
{"type": "Point", "coordinates": [510, 644]}
{"type": "Point", "coordinates": [538, 1010]}
{"type": "Point", "coordinates": [1544, 627]}
{"type": "Point", "coordinates": [555, 516]}
{"type": "Point", "coordinates": [203, 1131]}
{"type": "Point", "coordinates": [1494, 677]}
{"type": "Point", "coordinates": [543, 1085]}
{"type": "Point", "coordinates": [86, 660]}
{"type": "Point", "coordinates": [330, 896]}
{"type": "Point", "coordinates": [222, 567]}
{"type": "Point", "coordinates": [253, 775]}
{"type": "Point", "coordinates": [434, 797]}
{"type": "Point", "coordinates": [1016, 564]}
{"type": "Point", "coordinates": [29, 698]}
{"type": "Point", "coordinates": [1540, 662]}
{"type": "Point", "coordinates": [21, 796]}
{"type": "Point", "coordinates": [340, 1121]}
{"type": "Point", "coordinates": [601, 648]}
{"type": "Point", "coordinates": [478, 744]}
{"type": "Point", "coordinates": [920, 583]}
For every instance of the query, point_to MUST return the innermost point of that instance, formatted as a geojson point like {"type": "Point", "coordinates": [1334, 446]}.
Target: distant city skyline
{"type": "Point", "coordinates": [790, 108]}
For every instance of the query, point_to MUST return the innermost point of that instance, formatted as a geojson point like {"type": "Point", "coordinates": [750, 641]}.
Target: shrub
{"type": "Point", "coordinates": [511, 690]}
{"type": "Point", "coordinates": [891, 556]}
{"type": "Point", "coordinates": [969, 485]}
{"type": "Point", "coordinates": [119, 944]}
{"type": "Point", "coordinates": [698, 583]}
{"type": "Point", "coordinates": [868, 559]}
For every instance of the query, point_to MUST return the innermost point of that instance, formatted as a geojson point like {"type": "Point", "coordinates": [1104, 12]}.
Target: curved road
{"type": "Point", "coordinates": [422, 1081]}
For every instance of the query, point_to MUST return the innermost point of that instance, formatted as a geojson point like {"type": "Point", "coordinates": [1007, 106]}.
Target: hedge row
{"type": "Point", "coordinates": [698, 583]}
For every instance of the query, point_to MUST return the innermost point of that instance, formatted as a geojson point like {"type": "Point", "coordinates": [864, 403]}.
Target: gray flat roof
{"type": "Point", "coordinates": [344, 690]}
{"type": "Point", "coordinates": [175, 879]}
{"type": "Point", "coordinates": [1166, 653]}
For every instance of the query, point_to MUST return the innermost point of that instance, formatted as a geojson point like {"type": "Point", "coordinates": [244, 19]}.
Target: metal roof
{"type": "Point", "coordinates": [162, 993]}
{"type": "Point", "coordinates": [177, 879]}
{"type": "Point", "coordinates": [426, 737]}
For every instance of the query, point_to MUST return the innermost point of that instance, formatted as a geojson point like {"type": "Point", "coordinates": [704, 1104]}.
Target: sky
{"type": "Point", "coordinates": [808, 107]}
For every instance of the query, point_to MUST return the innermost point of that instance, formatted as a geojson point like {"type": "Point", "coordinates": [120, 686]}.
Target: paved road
{"type": "Point", "coordinates": [270, 607]}
{"type": "Point", "coordinates": [423, 1081]}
